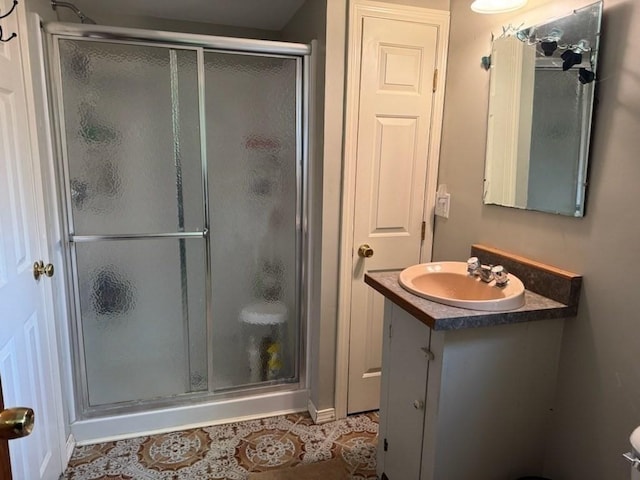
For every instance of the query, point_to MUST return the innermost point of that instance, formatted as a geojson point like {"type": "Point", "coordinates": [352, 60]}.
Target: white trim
{"type": "Point", "coordinates": [32, 52]}
{"type": "Point", "coordinates": [358, 10]}
{"type": "Point", "coordinates": [321, 416]}
{"type": "Point", "coordinates": [153, 422]}
{"type": "Point", "coordinates": [310, 196]}
{"type": "Point", "coordinates": [70, 445]}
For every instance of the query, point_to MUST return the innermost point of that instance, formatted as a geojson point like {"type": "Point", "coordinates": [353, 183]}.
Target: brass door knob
{"type": "Point", "coordinates": [39, 269]}
{"type": "Point", "coordinates": [16, 423]}
{"type": "Point", "coordinates": [365, 251]}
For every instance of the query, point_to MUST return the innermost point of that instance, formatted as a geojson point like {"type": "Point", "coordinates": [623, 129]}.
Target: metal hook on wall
{"type": "Point", "coordinates": [507, 31]}
{"type": "Point", "coordinates": [14, 34]}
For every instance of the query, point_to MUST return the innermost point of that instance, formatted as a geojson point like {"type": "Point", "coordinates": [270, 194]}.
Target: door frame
{"type": "Point", "coordinates": [30, 44]}
{"type": "Point", "coordinates": [358, 10]}
{"type": "Point", "coordinates": [43, 147]}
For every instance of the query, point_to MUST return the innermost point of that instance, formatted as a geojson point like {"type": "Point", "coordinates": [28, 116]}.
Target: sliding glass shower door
{"type": "Point", "coordinates": [136, 218]}
{"type": "Point", "coordinates": [254, 190]}
{"type": "Point", "coordinates": [182, 180]}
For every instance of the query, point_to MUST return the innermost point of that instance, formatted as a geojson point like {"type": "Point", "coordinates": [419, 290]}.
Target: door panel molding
{"type": "Point", "coordinates": [397, 61]}
{"type": "Point", "coordinates": [358, 11]}
{"type": "Point", "coordinates": [392, 201]}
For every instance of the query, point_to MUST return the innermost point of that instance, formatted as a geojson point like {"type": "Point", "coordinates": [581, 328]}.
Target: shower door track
{"type": "Point", "coordinates": [200, 44]}
{"type": "Point", "coordinates": [99, 32]}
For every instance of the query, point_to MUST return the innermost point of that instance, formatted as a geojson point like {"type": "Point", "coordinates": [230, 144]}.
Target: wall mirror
{"type": "Point", "coordinates": [540, 111]}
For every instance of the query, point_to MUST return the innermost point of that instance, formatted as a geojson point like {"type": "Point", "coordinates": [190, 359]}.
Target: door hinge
{"type": "Point", "coordinates": [435, 80]}
{"type": "Point", "coordinates": [428, 353]}
{"type": "Point", "coordinates": [423, 231]}
{"type": "Point", "coordinates": [386, 445]}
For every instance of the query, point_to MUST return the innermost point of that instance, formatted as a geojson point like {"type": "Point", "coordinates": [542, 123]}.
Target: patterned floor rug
{"type": "Point", "coordinates": [331, 470]}
{"type": "Point", "coordinates": [234, 451]}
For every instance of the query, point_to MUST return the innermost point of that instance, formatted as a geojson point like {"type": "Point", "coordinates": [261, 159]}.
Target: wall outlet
{"type": "Point", "coordinates": [443, 200]}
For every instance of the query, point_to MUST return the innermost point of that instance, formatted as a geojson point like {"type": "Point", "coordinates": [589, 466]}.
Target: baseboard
{"type": "Point", "coordinates": [71, 444]}
{"type": "Point", "coordinates": [321, 416]}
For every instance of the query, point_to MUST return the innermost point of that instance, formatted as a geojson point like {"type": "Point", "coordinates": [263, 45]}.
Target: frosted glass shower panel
{"type": "Point", "coordinates": [143, 325]}
{"type": "Point", "coordinates": [559, 116]}
{"type": "Point", "coordinates": [252, 152]}
{"type": "Point", "coordinates": [131, 121]}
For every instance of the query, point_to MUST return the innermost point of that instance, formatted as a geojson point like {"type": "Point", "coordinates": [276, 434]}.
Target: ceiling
{"type": "Point", "coordinates": [262, 14]}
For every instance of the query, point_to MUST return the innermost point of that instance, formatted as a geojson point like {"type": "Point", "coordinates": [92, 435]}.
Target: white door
{"type": "Point", "coordinates": [27, 363]}
{"type": "Point", "coordinates": [394, 121]}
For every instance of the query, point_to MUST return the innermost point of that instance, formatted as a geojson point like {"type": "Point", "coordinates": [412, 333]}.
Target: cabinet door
{"type": "Point", "coordinates": [406, 365]}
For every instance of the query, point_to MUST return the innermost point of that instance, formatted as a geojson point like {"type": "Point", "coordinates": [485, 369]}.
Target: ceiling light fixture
{"type": "Point", "coordinates": [497, 6]}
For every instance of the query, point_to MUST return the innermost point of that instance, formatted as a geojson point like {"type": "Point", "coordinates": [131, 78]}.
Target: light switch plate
{"type": "Point", "coordinates": [443, 201]}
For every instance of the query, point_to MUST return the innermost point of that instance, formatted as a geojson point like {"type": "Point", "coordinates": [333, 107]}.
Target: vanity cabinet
{"type": "Point", "coordinates": [403, 395]}
{"type": "Point", "coordinates": [465, 403]}
{"type": "Point", "coordinates": [467, 394]}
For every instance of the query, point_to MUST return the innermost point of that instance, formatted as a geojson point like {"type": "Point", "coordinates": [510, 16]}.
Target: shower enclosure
{"type": "Point", "coordinates": [182, 177]}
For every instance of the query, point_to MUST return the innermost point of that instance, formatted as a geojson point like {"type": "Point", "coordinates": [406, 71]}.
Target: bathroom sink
{"type": "Point", "coordinates": [450, 284]}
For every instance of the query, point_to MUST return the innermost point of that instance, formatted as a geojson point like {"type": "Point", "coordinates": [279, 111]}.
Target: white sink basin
{"type": "Point", "coordinates": [450, 284]}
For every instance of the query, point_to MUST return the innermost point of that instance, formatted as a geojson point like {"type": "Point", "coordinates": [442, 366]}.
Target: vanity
{"type": "Point", "coordinates": [469, 394]}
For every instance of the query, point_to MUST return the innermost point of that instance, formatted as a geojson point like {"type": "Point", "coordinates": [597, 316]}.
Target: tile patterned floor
{"type": "Point", "coordinates": [233, 450]}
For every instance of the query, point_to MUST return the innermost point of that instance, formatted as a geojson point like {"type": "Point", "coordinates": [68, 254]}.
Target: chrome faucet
{"type": "Point", "coordinates": [473, 266]}
{"type": "Point", "coordinates": [487, 273]}
{"type": "Point", "coordinates": [500, 275]}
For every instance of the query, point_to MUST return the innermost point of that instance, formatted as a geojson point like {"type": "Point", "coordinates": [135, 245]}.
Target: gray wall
{"type": "Point", "coordinates": [42, 8]}
{"type": "Point", "coordinates": [105, 16]}
{"type": "Point", "coordinates": [599, 383]}
{"type": "Point", "coordinates": [324, 21]}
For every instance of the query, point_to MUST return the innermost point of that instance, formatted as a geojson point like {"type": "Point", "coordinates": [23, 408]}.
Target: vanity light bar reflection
{"type": "Point", "coordinates": [572, 54]}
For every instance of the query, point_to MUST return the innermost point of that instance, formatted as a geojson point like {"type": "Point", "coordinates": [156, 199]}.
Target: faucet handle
{"type": "Point", "coordinates": [486, 274]}
{"type": "Point", "coordinates": [473, 266]}
{"type": "Point", "coordinates": [500, 275]}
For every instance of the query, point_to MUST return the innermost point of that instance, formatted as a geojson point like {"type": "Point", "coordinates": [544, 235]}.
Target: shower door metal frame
{"type": "Point", "coordinates": [198, 43]}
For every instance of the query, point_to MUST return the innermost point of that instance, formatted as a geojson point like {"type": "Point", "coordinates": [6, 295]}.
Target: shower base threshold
{"type": "Point", "coordinates": [117, 427]}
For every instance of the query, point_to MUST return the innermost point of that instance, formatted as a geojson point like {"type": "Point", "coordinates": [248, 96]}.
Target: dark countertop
{"type": "Point", "coordinates": [443, 317]}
